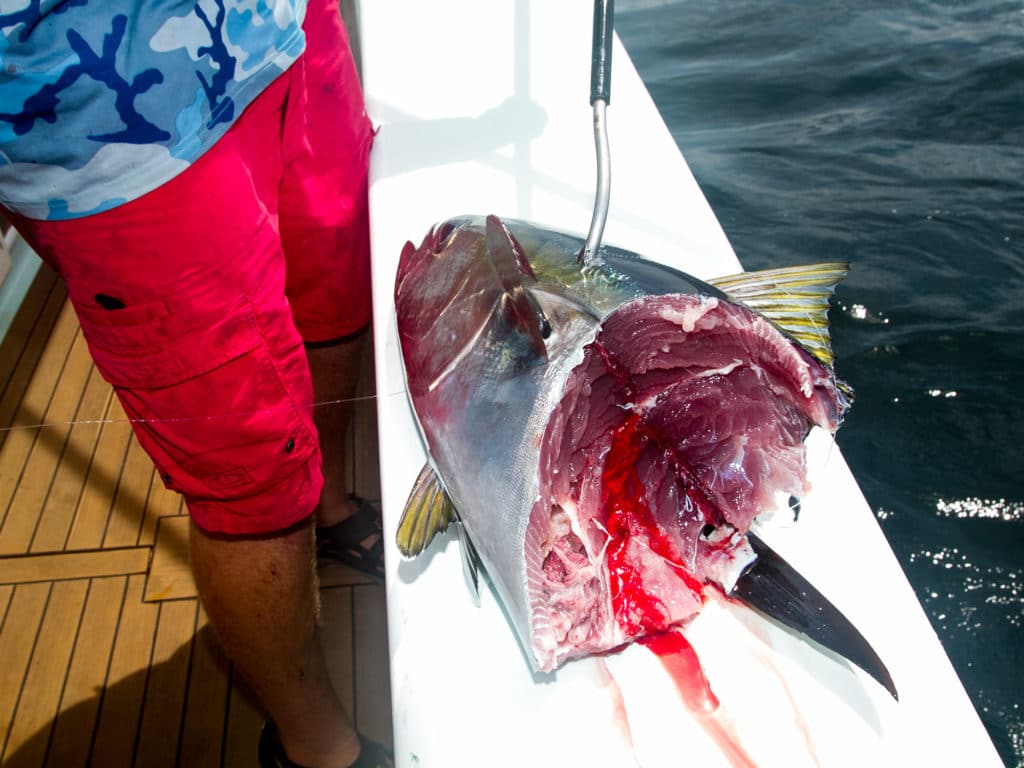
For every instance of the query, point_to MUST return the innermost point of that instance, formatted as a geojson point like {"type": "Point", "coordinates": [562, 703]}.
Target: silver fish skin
{"type": "Point", "coordinates": [539, 387]}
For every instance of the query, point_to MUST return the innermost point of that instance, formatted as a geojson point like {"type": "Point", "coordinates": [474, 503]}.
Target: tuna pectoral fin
{"type": "Point", "coordinates": [772, 586]}
{"type": "Point", "coordinates": [515, 275]}
{"type": "Point", "coordinates": [428, 512]}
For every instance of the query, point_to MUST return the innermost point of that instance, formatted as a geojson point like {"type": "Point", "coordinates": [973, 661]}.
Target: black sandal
{"type": "Point", "coordinates": [357, 541]}
{"type": "Point", "coordinates": [272, 755]}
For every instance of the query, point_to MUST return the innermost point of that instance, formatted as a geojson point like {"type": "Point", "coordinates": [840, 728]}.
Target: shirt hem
{"type": "Point", "coordinates": [168, 166]}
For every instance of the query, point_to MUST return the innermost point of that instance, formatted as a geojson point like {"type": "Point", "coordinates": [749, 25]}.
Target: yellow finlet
{"type": "Point", "coordinates": [795, 299]}
{"type": "Point", "coordinates": [428, 512]}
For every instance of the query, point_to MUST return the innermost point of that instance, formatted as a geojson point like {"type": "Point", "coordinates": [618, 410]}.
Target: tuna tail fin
{"type": "Point", "coordinates": [514, 273]}
{"type": "Point", "coordinates": [428, 511]}
{"type": "Point", "coordinates": [795, 299]}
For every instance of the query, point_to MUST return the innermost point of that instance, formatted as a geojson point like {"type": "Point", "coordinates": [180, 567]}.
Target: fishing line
{"type": "Point", "coordinates": [176, 419]}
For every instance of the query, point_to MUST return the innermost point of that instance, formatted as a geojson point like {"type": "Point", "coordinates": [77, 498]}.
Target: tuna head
{"type": "Point", "coordinates": [604, 433]}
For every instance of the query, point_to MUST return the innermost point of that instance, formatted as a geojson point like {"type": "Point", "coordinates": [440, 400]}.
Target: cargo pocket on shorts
{"type": "Point", "coordinates": [222, 419]}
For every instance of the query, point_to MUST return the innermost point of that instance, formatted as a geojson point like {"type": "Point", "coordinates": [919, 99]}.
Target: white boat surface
{"type": "Point", "coordinates": [482, 107]}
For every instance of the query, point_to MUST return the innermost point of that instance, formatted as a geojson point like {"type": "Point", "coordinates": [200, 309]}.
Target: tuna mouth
{"type": "Point", "coordinates": [684, 420]}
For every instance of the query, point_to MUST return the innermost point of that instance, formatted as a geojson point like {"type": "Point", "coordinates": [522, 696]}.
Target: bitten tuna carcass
{"type": "Point", "coordinates": [604, 433]}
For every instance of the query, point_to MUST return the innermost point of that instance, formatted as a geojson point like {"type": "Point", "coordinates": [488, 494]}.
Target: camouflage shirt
{"type": "Point", "coordinates": [102, 101]}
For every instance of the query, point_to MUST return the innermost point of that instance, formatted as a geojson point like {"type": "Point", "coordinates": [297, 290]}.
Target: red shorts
{"type": "Point", "coordinates": [218, 277]}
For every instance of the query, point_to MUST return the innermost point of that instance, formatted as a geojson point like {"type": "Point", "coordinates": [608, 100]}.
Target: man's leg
{"type": "Point", "coordinates": [325, 234]}
{"type": "Point", "coordinates": [261, 596]}
{"type": "Point", "coordinates": [335, 372]}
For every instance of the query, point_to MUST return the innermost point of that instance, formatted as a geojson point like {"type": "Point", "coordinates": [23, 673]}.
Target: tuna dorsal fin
{"type": "Point", "coordinates": [427, 513]}
{"type": "Point", "coordinates": [514, 273]}
{"type": "Point", "coordinates": [796, 299]}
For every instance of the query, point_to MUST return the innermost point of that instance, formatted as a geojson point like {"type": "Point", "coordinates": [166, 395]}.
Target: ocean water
{"type": "Point", "coordinates": [891, 135]}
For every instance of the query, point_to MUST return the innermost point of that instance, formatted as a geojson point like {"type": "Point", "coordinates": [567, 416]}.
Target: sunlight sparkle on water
{"type": "Point", "coordinates": [996, 585]}
{"type": "Point", "coordinates": [975, 508]}
{"type": "Point", "coordinates": [860, 312]}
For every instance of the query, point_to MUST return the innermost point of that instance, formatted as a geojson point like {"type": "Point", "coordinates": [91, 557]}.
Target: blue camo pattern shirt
{"type": "Point", "coordinates": [102, 101]}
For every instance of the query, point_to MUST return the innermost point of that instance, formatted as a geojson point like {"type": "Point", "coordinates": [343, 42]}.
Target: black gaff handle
{"type": "Point", "coordinates": [601, 58]}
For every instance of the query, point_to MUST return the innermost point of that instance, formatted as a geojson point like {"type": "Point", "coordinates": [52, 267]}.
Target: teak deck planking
{"type": "Point", "coordinates": [107, 655]}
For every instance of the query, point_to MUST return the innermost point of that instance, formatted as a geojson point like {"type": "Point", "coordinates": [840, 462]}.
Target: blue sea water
{"type": "Point", "coordinates": [891, 135]}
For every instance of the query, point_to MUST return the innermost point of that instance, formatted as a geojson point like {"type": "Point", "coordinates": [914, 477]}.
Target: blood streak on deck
{"type": "Point", "coordinates": [681, 663]}
{"type": "Point", "coordinates": [639, 612]}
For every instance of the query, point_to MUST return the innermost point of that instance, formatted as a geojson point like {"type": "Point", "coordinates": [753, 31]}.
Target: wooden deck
{"type": "Point", "coordinates": [106, 658]}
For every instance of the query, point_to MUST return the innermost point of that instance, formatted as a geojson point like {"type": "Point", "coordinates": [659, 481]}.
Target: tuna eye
{"type": "Point", "coordinates": [443, 236]}
{"type": "Point", "coordinates": [446, 229]}
{"type": "Point", "coordinates": [545, 328]}
{"type": "Point", "coordinates": [707, 530]}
